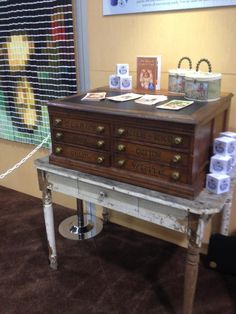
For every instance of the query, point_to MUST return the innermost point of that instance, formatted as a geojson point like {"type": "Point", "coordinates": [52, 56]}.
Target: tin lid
{"type": "Point", "coordinates": [180, 72]}
{"type": "Point", "coordinates": [203, 76]}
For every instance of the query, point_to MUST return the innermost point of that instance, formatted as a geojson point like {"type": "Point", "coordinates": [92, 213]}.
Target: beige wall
{"type": "Point", "coordinates": [208, 33]}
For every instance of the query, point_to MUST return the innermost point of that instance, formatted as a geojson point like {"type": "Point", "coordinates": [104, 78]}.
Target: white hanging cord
{"type": "Point", "coordinates": [3, 175]}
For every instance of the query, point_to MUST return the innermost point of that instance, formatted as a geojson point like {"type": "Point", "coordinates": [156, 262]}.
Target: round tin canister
{"type": "Point", "coordinates": [177, 77]}
{"type": "Point", "coordinates": [202, 86]}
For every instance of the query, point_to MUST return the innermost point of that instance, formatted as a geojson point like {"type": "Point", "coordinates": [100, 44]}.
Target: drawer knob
{"type": "Point", "coordinates": [100, 160]}
{"type": "Point", "coordinates": [58, 150]}
{"type": "Point", "coordinates": [121, 148]}
{"type": "Point", "coordinates": [100, 129]}
{"type": "Point", "coordinates": [120, 131]}
{"type": "Point", "coordinates": [121, 163]}
{"type": "Point", "coordinates": [178, 140]}
{"type": "Point", "coordinates": [102, 196]}
{"type": "Point", "coordinates": [175, 175]}
{"type": "Point", "coordinates": [58, 121]}
{"type": "Point", "coordinates": [58, 135]}
{"type": "Point", "coordinates": [100, 143]}
{"type": "Point", "coordinates": [176, 158]}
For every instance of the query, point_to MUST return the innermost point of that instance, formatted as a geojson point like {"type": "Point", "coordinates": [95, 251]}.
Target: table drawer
{"type": "Point", "coordinates": [108, 198]}
{"type": "Point", "coordinates": [152, 136]}
{"type": "Point", "coordinates": [81, 125]}
{"type": "Point", "coordinates": [96, 142]}
{"type": "Point", "coordinates": [167, 173]}
{"type": "Point", "coordinates": [81, 154]}
{"type": "Point", "coordinates": [62, 184]}
{"type": "Point", "coordinates": [163, 215]}
{"type": "Point", "coordinates": [148, 153]}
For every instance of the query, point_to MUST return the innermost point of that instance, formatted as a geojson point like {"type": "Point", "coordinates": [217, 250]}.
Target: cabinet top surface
{"type": "Point", "coordinates": [194, 114]}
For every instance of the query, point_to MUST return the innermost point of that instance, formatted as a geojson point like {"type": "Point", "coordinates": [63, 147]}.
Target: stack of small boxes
{"type": "Point", "coordinates": [122, 79]}
{"type": "Point", "coordinates": [222, 163]}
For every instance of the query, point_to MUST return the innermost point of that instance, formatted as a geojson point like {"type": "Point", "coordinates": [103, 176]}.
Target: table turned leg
{"type": "Point", "coordinates": [48, 218]}
{"type": "Point", "coordinates": [195, 235]}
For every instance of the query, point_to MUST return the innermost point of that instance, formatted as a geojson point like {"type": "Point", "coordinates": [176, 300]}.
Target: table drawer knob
{"type": "Point", "coordinates": [100, 129]}
{"type": "Point", "coordinates": [58, 150]}
{"type": "Point", "coordinates": [100, 160]}
{"type": "Point", "coordinates": [175, 175]}
{"type": "Point", "coordinates": [102, 196]}
{"type": "Point", "coordinates": [121, 162]}
{"type": "Point", "coordinates": [58, 135]}
{"type": "Point", "coordinates": [121, 148]}
{"type": "Point", "coordinates": [58, 121]}
{"type": "Point", "coordinates": [100, 143]}
{"type": "Point", "coordinates": [176, 158]}
{"type": "Point", "coordinates": [178, 140]}
{"type": "Point", "coordinates": [120, 131]}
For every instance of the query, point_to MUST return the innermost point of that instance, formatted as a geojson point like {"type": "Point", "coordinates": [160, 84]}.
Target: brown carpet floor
{"type": "Point", "coordinates": [118, 272]}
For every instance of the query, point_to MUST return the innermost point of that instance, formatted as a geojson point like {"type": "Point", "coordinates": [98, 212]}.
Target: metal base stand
{"type": "Point", "coordinates": [81, 226]}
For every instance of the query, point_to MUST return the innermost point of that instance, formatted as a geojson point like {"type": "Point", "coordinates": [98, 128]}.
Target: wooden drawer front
{"type": "Point", "coordinates": [85, 126]}
{"type": "Point", "coordinates": [85, 155]}
{"type": "Point", "coordinates": [155, 137]}
{"type": "Point", "coordinates": [101, 143]}
{"type": "Point", "coordinates": [150, 153]}
{"type": "Point", "coordinates": [151, 169]}
{"type": "Point", "coordinates": [108, 198]}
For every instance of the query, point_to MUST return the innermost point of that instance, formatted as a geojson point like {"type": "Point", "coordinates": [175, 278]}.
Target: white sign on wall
{"type": "Point", "coordinates": [111, 7]}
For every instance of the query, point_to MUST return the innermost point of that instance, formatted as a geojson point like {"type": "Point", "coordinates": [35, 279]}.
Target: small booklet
{"type": "Point", "coordinates": [125, 97]}
{"type": "Point", "coordinates": [94, 96]}
{"type": "Point", "coordinates": [175, 104]}
{"type": "Point", "coordinates": [150, 99]}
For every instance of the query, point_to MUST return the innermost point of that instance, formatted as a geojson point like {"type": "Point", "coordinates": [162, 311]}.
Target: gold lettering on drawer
{"type": "Point", "coordinates": [148, 154]}
{"type": "Point", "coordinates": [148, 169]}
{"type": "Point", "coordinates": [80, 125]}
{"type": "Point", "coordinates": [165, 139]}
{"type": "Point", "coordinates": [78, 154]}
{"type": "Point", "coordinates": [136, 133]}
{"type": "Point", "coordinates": [77, 124]}
{"type": "Point", "coordinates": [145, 169]}
{"type": "Point", "coordinates": [85, 155]}
{"type": "Point", "coordinates": [156, 137]}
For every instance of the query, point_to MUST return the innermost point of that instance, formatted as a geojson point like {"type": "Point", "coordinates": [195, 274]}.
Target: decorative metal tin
{"type": "Point", "coordinates": [177, 77]}
{"type": "Point", "coordinates": [202, 86]}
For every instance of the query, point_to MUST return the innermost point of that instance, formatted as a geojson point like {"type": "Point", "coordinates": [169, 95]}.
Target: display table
{"type": "Point", "coordinates": [175, 213]}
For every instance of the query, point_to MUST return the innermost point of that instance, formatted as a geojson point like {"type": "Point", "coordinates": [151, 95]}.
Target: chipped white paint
{"type": "Point", "coordinates": [226, 215]}
{"type": "Point", "coordinates": [49, 224]}
{"type": "Point", "coordinates": [200, 229]}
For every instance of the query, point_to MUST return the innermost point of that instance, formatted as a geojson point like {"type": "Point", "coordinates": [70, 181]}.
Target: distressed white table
{"type": "Point", "coordinates": [182, 215]}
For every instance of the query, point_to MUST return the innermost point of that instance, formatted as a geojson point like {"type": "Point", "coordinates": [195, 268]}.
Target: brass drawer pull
{"type": "Point", "coordinates": [176, 158]}
{"type": "Point", "coordinates": [58, 150]}
{"type": "Point", "coordinates": [100, 143]}
{"type": "Point", "coordinates": [121, 148]}
{"type": "Point", "coordinates": [121, 162]}
{"type": "Point", "coordinates": [58, 121]}
{"type": "Point", "coordinates": [178, 140]}
{"type": "Point", "coordinates": [100, 160]}
{"type": "Point", "coordinates": [175, 175]}
{"type": "Point", "coordinates": [100, 129]}
{"type": "Point", "coordinates": [58, 135]}
{"type": "Point", "coordinates": [120, 131]}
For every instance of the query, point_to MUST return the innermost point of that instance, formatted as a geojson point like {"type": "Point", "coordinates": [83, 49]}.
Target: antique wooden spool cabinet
{"type": "Point", "coordinates": [158, 149]}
